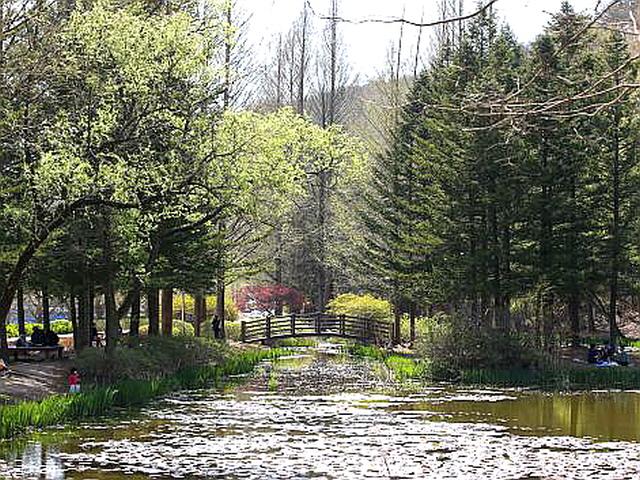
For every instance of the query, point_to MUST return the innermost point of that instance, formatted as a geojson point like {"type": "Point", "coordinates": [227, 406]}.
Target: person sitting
{"type": "Point", "coordinates": [4, 368]}
{"type": "Point", "coordinates": [37, 337]}
{"type": "Point", "coordinates": [51, 338]}
{"type": "Point", "coordinates": [610, 352]}
{"type": "Point", "coordinates": [593, 355]}
{"type": "Point", "coordinates": [621, 357]}
{"type": "Point", "coordinates": [22, 341]}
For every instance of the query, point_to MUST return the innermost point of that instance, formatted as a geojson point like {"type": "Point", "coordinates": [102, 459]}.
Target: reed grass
{"type": "Point", "coordinates": [557, 378]}
{"type": "Point", "coordinates": [58, 409]}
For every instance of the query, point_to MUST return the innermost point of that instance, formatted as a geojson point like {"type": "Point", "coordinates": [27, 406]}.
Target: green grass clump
{"type": "Point", "coordinates": [367, 351]}
{"type": "Point", "coordinates": [556, 378]}
{"type": "Point", "coordinates": [19, 418]}
{"type": "Point", "coordinates": [405, 368]}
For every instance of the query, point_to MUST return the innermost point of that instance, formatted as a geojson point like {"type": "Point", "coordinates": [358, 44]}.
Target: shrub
{"type": "Point", "coordinates": [179, 328]}
{"type": "Point", "coordinates": [61, 327]}
{"type": "Point", "coordinates": [452, 346]}
{"type": "Point", "coordinates": [148, 358]}
{"type": "Point", "coordinates": [366, 306]}
{"type": "Point", "coordinates": [230, 309]}
{"type": "Point", "coordinates": [267, 297]}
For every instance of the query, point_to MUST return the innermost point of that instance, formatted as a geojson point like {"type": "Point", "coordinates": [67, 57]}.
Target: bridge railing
{"type": "Point", "coordinates": [316, 324]}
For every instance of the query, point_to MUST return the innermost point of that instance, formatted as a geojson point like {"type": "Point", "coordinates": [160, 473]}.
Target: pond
{"type": "Point", "coordinates": [330, 417]}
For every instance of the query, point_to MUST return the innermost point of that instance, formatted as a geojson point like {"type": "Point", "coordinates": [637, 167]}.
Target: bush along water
{"type": "Point", "coordinates": [20, 418]}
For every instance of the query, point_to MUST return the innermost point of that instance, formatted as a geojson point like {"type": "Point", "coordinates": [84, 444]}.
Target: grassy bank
{"type": "Point", "coordinates": [20, 418]}
{"type": "Point", "coordinates": [552, 377]}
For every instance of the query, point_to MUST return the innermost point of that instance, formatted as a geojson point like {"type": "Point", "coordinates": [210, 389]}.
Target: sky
{"type": "Point", "coordinates": [368, 44]}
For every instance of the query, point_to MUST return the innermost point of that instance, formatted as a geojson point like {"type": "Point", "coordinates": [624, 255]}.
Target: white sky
{"type": "Point", "coordinates": [368, 44]}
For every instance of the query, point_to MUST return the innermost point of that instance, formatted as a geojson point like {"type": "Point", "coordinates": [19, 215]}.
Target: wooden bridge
{"type": "Point", "coordinates": [316, 325]}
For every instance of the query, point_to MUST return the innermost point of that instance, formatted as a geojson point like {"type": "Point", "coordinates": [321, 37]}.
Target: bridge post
{"type": "Point", "coordinates": [293, 324]}
{"type": "Point", "coordinates": [343, 328]}
{"type": "Point", "coordinates": [243, 331]}
{"type": "Point", "coordinates": [368, 330]}
{"type": "Point", "coordinates": [267, 328]}
{"type": "Point", "coordinates": [318, 326]}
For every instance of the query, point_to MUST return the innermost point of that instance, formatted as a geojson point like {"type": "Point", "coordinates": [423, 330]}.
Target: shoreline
{"type": "Point", "coordinates": [22, 418]}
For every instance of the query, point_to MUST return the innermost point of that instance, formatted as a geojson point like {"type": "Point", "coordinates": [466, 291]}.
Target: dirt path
{"type": "Point", "coordinates": [34, 380]}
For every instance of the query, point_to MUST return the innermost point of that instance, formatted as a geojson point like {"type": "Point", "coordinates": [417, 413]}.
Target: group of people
{"type": "Point", "coordinates": [39, 338]}
{"type": "Point", "coordinates": [609, 355]}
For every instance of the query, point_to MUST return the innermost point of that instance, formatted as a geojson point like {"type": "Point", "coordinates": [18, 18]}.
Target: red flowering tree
{"type": "Point", "coordinates": [268, 297]}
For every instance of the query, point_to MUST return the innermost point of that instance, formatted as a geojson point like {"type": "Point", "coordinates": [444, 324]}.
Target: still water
{"type": "Point", "coordinates": [322, 418]}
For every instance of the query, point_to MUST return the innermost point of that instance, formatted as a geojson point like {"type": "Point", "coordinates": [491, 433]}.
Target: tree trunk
{"type": "Point", "coordinates": [73, 313]}
{"type": "Point", "coordinates": [220, 304]}
{"type": "Point", "coordinates": [615, 239]}
{"type": "Point", "coordinates": [134, 323]}
{"type": "Point", "coordinates": [574, 318]}
{"type": "Point", "coordinates": [278, 267]}
{"type": "Point", "coordinates": [111, 318]}
{"type": "Point", "coordinates": [20, 306]}
{"type": "Point", "coordinates": [167, 312]}
{"type": "Point", "coordinates": [412, 322]}
{"type": "Point", "coordinates": [397, 325]}
{"type": "Point", "coordinates": [153, 310]}
{"type": "Point", "coordinates": [83, 337]}
{"type": "Point", "coordinates": [199, 305]}
{"type": "Point", "coordinates": [46, 313]}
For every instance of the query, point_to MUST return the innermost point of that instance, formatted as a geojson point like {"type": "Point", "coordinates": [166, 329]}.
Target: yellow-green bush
{"type": "Point", "coordinates": [366, 306]}
{"type": "Point", "coordinates": [179, 328]}
{"type": "Point", "coordinates": [231, 312]}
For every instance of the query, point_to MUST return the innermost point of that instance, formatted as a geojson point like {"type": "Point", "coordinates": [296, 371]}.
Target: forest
{"type": "Point", "coordinates": [486, 184]}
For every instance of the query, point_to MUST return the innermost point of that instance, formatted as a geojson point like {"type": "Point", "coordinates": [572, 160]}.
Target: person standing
{"type": "Point", "coordinates": [74, 381]}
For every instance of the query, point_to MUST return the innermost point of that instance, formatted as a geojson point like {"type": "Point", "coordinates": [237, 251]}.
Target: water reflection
{"type": "Point", "coordinates": [299, 433]}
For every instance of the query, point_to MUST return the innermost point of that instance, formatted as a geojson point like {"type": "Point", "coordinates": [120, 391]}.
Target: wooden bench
{"type": "Point", "coordinates": [16, 351]}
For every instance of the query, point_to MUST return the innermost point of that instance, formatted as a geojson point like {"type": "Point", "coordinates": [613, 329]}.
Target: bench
{"type": "Point", "coordinates": [16, 351]}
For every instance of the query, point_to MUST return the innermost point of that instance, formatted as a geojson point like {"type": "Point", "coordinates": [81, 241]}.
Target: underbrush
{"type": "Point", "coordinates": [19, 418]}
{"type": "Point", "coordinates": [546, 375]}
{"type": "Point", "coordinates": [148, 358]}
{"type": "Point", "coordinates": [550, 378]}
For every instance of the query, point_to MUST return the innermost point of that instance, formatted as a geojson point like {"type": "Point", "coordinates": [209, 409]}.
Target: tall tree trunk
{"type": "Point", "coordinates": [83, 337]}
{"type": "Point", "coordinates": [46, 312]}
{"type": "Point", "coordinates": [167, 312]}
{"type": "Point", "coordinates": [199, 305]}
{"type": "Point", "coordinates": [615, 237]}
{"type": "Point", "coordinates": [397, 324]}
{"type": "Point", "coordinates": [412, 322]}
{"type": "Point", "coordinates": [153, 310]}
{"type": "Point", "coordinates": [20, 306]}
{"type": "Point", "coordinates": [278, 267]}
{"type": "Point", "coordinates": [220, 303]}
{"type": "Point", "coordinates": [73, 313]}
{"type": "Point", "coordinates": [134, 323]}
{"type": "Point", "coordinates": [574, 318]}
{"type": "Point", "coordinates": [112, 322]}
{"type": "Point", "coordinates": [303, 61]}
{"type": "Point", "coordinates": [111, 318]}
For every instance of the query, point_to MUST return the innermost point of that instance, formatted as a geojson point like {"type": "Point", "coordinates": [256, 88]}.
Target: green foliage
{"type": "Point", "coordinates": [559, 378]}
{"type": "Point", "coordinates": [365, 306]}
{"type": "Point", "coordinates": [61, 327]}
{"type": "Point", "coordinates": [450, 346]}
{"type": "Point", "coordinates": [403, 368]}
{"type": "Point", "coordinates": [231, 311]}
{"type": "Point", "coordinates": [150, 358]}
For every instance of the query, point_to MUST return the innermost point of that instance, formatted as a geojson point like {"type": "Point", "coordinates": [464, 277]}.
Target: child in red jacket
{"type": "Point", "coordinates": [74, 381]}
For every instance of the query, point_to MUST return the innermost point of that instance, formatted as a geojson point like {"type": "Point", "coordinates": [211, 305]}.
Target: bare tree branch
{"type": "Point", "coordinates": [393, 20]}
